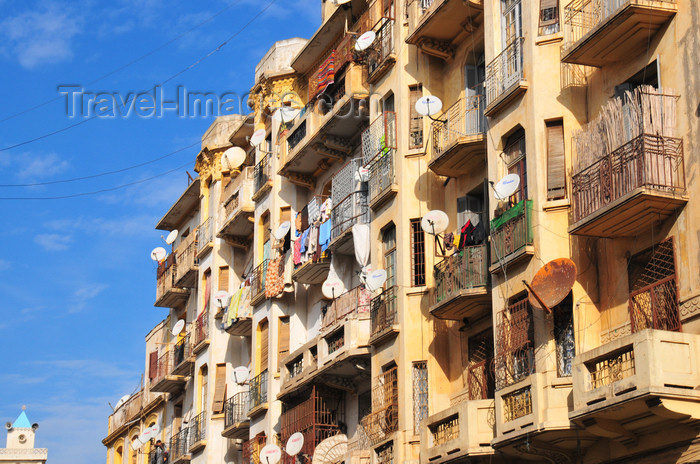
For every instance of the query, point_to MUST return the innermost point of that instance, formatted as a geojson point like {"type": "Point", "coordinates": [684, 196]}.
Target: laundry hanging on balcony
{"type": "Point", "coordinates": [361, 241]}
{"type": "Point", "coordinates": [239, 306]}
{"type": "Point", "coordinates": [325, 76]}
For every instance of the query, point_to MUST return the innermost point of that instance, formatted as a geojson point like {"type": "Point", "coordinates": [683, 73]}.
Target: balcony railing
{"type": "Point", "coordinates": [505, 71]}
{"type": "Point", "coordinates": [379, 138]}
{"type": "Point", "coordinates": [165, 365]}
{"type": "Point", "coordinates": [205, 234]}
{"type": "Point", "coordinates": [336, 341]}
{"type": "Point", "coordinates": [251, 449]}
{"type": "Point", "coordinates": [355, 301]}
{"type": "Point", "coordinates": [179, 445]}
{"type": "Point", "coordinates": [261, 174]}
{"type": "Point", "coordinates": [236, 409]}
{"type": "Point", "coordinates": [609, 370]}
{"type": "Point", "coordinates": [656, 306]}
{"type": "Point", "coordinates": [446, 430]}
{"type": "Point", "coordinates": [464, 118]}
{"type": "Point", "coordinates": [383, 312]}
{"type": "Point", "coordinates": [258, 390]}
{"type": "Point", "coordinates": [198, 429]}
{"type": "Point", "coordinates": [201, 328]}
{"type": "Point", "coordinates": [511, 232]}
{"type": "Point", "coordinates": [517, 404]}
{"type": "Point", "coordinates": [296, 367]}
{"type": "Point", "coordinates": [297, 136]}
{"type": "Point", "coordinates": [384, 45]}
{"type": "Point", "coordinates": [166, 277]}
{"type": "Point", "coordinates": [353, 209]}
{"type": "Point", "coordinates": [257, 280]}
{"type": "Point", "coordinates": [126, 411]}
{"type": "Point", "coordinates": [384, 418]}
{"type": "Point", "coordinates": [381, 175]}
{"type": "Point", "coordinates": [181, 351]}
{"type": "Point", "coordinates": [186, 257]}
{"type": "Point", "coordinates": [464, 270]}
{"type": "Point", "coordinates": [238, 193]}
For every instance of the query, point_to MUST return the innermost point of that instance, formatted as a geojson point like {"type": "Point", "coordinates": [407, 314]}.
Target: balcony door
{"type": "Point", "coordinates": [511, 32]}
{"type": "Point", "coordinates": [474, 91]}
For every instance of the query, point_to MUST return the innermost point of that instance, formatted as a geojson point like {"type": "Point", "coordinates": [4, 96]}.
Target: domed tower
{"type": "Point", "coordinates": [20, 443]}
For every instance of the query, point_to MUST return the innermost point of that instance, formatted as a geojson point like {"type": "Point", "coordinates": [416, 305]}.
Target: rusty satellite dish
{"type": "Point", "coordinates": [552, 283]}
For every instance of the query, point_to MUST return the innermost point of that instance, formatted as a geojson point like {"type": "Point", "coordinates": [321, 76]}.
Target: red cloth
{"type": "Point", "coordinates": [324, 77]}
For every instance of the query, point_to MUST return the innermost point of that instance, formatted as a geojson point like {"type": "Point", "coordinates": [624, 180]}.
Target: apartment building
{"type": "Point", "coordinates": [592, 104]}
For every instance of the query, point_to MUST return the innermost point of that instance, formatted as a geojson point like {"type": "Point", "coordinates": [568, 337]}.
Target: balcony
{"type": "Point", "coordinates": [625, 189]}
{"type": "Point", "coordinates": [187, 262]}
{"type": "Point", "coordinates": [205, 237]}
{"type": "Point", "coordinates": [602, 32]}
{"type": "Point", "coordinates": [179, 447]}
{"type": "Point", "coordinates": [238, 321]}
{"type": "Point", "coordinates": [381, 55]}
{"type": "Point", "coordinates": [183, 357]}
{"type": "Point", "coordinates": [237, 209]}
{"type": "Point", "coordinates": [384, 418]}
{"type": "Point", "coordinates": [137, 406]}
{"type": "Point", "coordinates": [383, 315]}
{"type": "Point", "coordinates": [262, 180]}
{"type": "Point", "coordinates": [436, 26]}
{"type": "Point", "coordinates": [644, 381]}
{"type": "Point", "coordinates": [165, 380]}
{"type": "Point", "coordinates": [313, 269]}
{"type": "Point", "coordinates": [378, 152]}
{"type": "Point", "coordinates": [462, 287]}
{"type": "Point", "coordinates": [182, 209]}
{"type": "Point", "coordinates": [350, 206]}
{"type": "Point", "coordinates": [316, 416]}
{"type": "Point", "coordinates": [353, 303]}
{"type": "Point", "coordinates": [167, 294]}
{"type": "Point", "coordinates": [257, 394]}
{"type": "Point", "coordinates": [257, 283]}
{"type": "Point", "coordinates": [459, 138]}
{"type": "Point", "coordinates": [200, 332]}
{"type": "Point", "coordinates": [504, 78]}
{"type": "Point", "coordinates": [511, 236]}
{"type": "Point", "coordinates": [236, 421]}
{"type": "Point", "coordinates": [198, 433]}
{"type": "Point", "coordinates": [460, 431]}
{"type": "Point", "coordinates": [252, 447]}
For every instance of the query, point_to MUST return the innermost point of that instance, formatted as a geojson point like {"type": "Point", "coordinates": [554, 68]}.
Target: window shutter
{"type": "Point", "coordinates": [266, 227]}
{"type": "Point", "coordinates": [283, 340]}
{"type": "Point", "coordinates": [153, 365]}
{"type": "Point", "coordinates": [264, 345]}
{"type": "Point", "coordinates": [220, 389]}
{"type": "Point", "coordinates": [285, 214]}
{"type": "Point", "coordinates": [223, 278]}
{"type": "Point", "coordinates": [556, 165]}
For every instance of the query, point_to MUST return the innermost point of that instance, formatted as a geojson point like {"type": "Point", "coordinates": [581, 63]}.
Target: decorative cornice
{"type": "Point", "coordinates": [690, 308]}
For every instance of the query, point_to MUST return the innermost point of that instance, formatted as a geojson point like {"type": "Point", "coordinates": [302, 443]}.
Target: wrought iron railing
{"type": "Point", "coordinates": [297, 136]}
{"type": "Point", "coordinates": [295, 367]}
{"type": "Point", "coordinates": [384, 45]}
{"type": "Point", "coordinates": [617, 366]}
{"type": "Point", "coordinates": [517, 404]}
{"type": "Point", "coordinates": [336, 341]}
{"type": "Point", "coordinates": [251, 449]}
{"type": "Point", "coordinates": [261, 173]}
{"type": "Point", "coordinates": [179, 445]}
{"type": "Point", "coordinates": [381, 174]}
{"type": "Point", "coordinates": [164, 367]}
{"type": "Point", "coordinates": [384, 418]}
{"type": "Point", "coordinates": [464, 118]}
{"type": "Point", "coordinates": [383, 311]}
{"type": "Point", "coordinates": [201, 328]}
{"type": "Point", "coordinates": [237, 193]}
{"type": "Point", "coordinates": [515, 358]}
{"type": "Point", "coordinates": [182, 350]}
{"type": "Point", "coordinates": [166, 277]}
{"type": "Point", "coordinates": [656, 306]}
{"type": "Point", "coordinates": [353, 209]}
{"type": "Point", "coordinates": [379, 138]}
{"type": "Point", "coordinates": [198, 428]}
{"type": "Point", "coordinates": [651, 161]}
{"type": "Point", "coordinates": [258, 390]}
{"type": "Point", "coordinates": [186, 256]}
{"type": "Point", "coordinates": [425, 4]}
{"type": "Point", "coordinates": [466, 269]}
{"type": "Point", "coordinates": [355, 301]}
{"type": "Point", "coordinates": [205, 233]}
{"type": "Point", "coordinates": [480, 380]}
{"type": "Point", "coordinates": [236, 409]}
{"type": "Point", "coordinates": [445, 430]}
{"type": "Point", "coordinates": [511, 235]}
{"type": "Point", "coordinates": [257, 280]}
{"type": "Point", "coordinates": [505, 71]}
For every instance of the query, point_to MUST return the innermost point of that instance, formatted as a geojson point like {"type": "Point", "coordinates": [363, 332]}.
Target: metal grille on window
{"type": "Point", "coordinates": [564, 335]}
{"type": "Point", "coordinates": [420, 394]}
{"type": "Point", "coordinates": [480, 374]}
{"type": "Point", "coordinates": [417, 253]}
{"type": "Point", "coordinates": [515, 358]}
{"type": "Point", "coordinates": [389, 239]}
{"type": "Point", "coordinates": [415, 134]}
{"type": "Point", "coordinates": [385, 453]}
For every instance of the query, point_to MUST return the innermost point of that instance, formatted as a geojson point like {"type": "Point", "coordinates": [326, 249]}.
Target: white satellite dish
{"type": "Point", "coordinates": [136, 443]}
{"type": "Point", "coordinates": [146, 435]}
{"type": "Point", "coordinates": [434, 222]}
{"type": "Point", "coordinates": [375, 279]}
{"type": "Point", "coordinates": [362, 174]}
{"type": "Point", "coordinates": [294, 444]}
{"type": "Point", "coordinates": [222, 297]}
{"type": "Point", "coordinates": [285, 114]}
{"type": "Point", "coordinates": [341, 2]}
{"type": "Point", "coordinates": [282, 230]}
{"type": "Point", "coordinates": [233, 158]}
{"type": "Point", "coordinates": [428, 105]}
{"type": "Point", "coordinates": [172, 236]}
{"type": "Point", "coordinates": [240, 375]}
{"type": "Point", "coordinates": [121, 401]}
{"type": "Point", "coordinates": [506, 186]}
{"type": "Point", "coordinates": [332, 288]}
{"type": "Point", "coordinates": [155, 430]}
{"type": "Point", "coordinates": [365, 40]}
{"type": "Point", "coordinates": [270, 454]}
{"type": "Point", "coordinates": [177, 328]}
{"type": "Point", "coordinates": [158, 254]}
{"type": "Point", "coordinates": [257, 137]}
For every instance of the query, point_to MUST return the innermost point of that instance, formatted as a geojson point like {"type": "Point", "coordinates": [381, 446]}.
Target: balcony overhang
{"type": "Point", "coordinates": [181, 210]}
{"type": "Point", "coordinates": [382, 68]}
{"type": "Point", "coordinates": [628, 216]}
{"type": "Point", "coordinates": [384, 196]}
{"type": "Point", "coordinates": [189, 278]}
{"type": "Point", "coordinates": [198, 446]}
{"type": "Point", "coordinates": [623, 34]}
{"type": "Point", "coordinates": [312, 273]}
{"type": "Point", "coordinates": [240, 224]}
{"type": "Point", "coordinates": [343, 243]}
{"type": "Point", "coordinates": [181, 459]}
{"type": "Point", "coordinates": [185, 367]}
{"type": "Point", "coordinates": [243, 327]}
{"type": "Point", "coordinates": [447, 21]}
{"type": "Point", "coordinates": [237, 430]}
{"type": "Point", "coordinates": [173, 298]}
{"type": "Point", "coordinates": [170, 384]}
{"type": "Point", "coordinates": [506, 98]}
{"type": "Point", "coordinates": [466, 154]}
{"type": "Point", "coordinates": [468, 303]}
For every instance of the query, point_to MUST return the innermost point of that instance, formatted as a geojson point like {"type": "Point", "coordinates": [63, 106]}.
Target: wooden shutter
{"type": "Point", "coordinates": [219, 389]}
{"type": "Point", "coordinates": [282, 340]}
{"type": "Point", "coordinates": [223, 278]}
{"type": "Point", "coordinates": [264, 345]}
{"type": "Point", "coordinates": [153, 365]}
{"type": "Point", "coordinates": [266, 227]}
{"type": "Point", "coordinates": [547, 5]}
{"type": "Point", "coordinates": [285, 214]}
{"type": "Point", "coordinates": [556, 166]}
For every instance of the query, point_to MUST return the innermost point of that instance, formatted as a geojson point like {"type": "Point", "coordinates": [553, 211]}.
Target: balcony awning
{"type": "Point", "coordinates": [182, 207]}
{"type": "Point", "coordinates": [320, 41]}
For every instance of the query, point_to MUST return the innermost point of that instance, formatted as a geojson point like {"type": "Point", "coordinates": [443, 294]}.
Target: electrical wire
{"type": "Point", "coordinates": [106, 173]}
{"type": "Point", "coordinates": [95, 192]}
{"type": "Point", "coordinates": [195, 63]}
{"type": "Point", "coordinates": [126, 65]}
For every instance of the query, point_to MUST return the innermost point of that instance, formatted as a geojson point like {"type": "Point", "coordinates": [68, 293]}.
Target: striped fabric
{"type": "Point", "coordinates": [325, 76]}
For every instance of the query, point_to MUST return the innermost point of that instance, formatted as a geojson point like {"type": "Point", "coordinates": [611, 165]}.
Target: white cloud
{"type": "Point", "coordinates": [83, 295]}
{"type": "Point", "coordinates": [33, 166]}
{"type": "Point", "coordinates": [53, 242]}
{"type": "Point", "coordinates": [41, 36]}
{"type": "Point", "coordinates": [4, 265]}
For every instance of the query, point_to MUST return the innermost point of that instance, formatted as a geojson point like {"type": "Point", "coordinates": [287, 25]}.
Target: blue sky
{"type": "Point", "coordinates": [76, 281]}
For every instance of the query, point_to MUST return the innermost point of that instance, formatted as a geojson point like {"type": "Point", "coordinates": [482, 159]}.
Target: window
{"type": "Point", "coordinates": [282, 340]}
{"type": "Point", "coordinates": [203, 388]}
{"type": "Point", "coordinates": [219, 389]}
{"type": "Point", "coordinates": [514, 155]}
{"type": "Point", "coordinates": [556, 164]}
{"type": "Point", "coordinates": [263, 345]}
{"type": "Point", "coordinates": [563, 315]}
{"type": "Point", "coordinates": [420, 394]}
{"type": "Point", "coordinates": [389, 248]}
{"type": "Point", "coordinates": [265, 236]}
{"type": "Point", "coordinates": [549, 17]}
{"type": "Point", "coordinates": [206, 285]}
{"type": "Point", "coordinates": [417, 254]}
{"type": "Point", "coordinates": [223, 278]}
{"type": "Point", "coordinates": [480, 356]}
{"type": "Point", "coordinates": [415, 124]}
{"type": "Point", "coordinates": [514, 343]}
{"type": "Point", "coordinates": [512, 24]}
{"type": "Point", "coordinates": [469, 208]}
